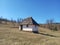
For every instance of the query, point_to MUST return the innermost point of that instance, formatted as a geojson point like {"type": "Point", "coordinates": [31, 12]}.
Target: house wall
{"type": "Point", "coordinates": [35, 28]}
{"type": "Point", "coordinates": [19, 27]}
{"type": "Point", "coordinates": [30, 28]}
{"type": "Point", "coordinates": [25, 28]}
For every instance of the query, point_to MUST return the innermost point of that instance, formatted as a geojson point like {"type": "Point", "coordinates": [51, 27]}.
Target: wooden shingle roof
{"type": "Point", "coordinates": [29, 21]}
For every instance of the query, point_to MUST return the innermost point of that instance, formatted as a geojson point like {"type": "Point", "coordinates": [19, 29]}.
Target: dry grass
{"type": "Point", "coordinates": [12, 36]}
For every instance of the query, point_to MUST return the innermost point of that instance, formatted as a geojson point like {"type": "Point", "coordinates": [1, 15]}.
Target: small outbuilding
{"type": "Point", "coordinates": [29, 24]}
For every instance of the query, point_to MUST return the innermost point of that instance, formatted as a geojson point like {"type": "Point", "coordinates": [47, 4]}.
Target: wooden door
{"type": "Point", "coordinates": [21, 27]}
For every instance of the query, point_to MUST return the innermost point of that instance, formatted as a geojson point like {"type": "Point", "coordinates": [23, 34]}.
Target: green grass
{"type": "Point", "coordinates": [12, 36]}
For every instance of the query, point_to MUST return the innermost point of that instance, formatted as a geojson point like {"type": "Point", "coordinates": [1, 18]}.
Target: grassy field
{"type": "Point", "coordinates": [12, 36]}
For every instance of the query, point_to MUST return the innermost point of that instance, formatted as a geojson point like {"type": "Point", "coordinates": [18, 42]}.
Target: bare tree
{"type": "Point", "coordinates": [12, 21]}
{"type": "Point", "coordinates": [50, 23]}
{"type": "Point", "coordinates": [19, 20]}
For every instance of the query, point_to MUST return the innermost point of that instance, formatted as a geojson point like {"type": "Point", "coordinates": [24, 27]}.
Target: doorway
{"type": "Point", "coordinates": [21, 27]}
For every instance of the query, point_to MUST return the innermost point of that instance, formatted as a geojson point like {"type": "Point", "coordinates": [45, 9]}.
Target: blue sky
{"type": "Point", "coordinates": [40, 10]}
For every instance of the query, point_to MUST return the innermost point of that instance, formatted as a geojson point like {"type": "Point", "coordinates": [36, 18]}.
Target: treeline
{"type": "Point", "coordinates": [50, 24]}
{"type": "Point", "coordinates": [6, 21]}
{"type": "Point", "coordinates": [11, 21]}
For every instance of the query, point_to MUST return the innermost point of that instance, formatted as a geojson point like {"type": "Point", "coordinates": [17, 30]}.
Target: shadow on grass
{"type": "Point", "coordinates": [45, 34]}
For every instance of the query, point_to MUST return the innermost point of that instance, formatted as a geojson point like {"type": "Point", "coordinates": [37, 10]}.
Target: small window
{"type": "Point", "coordinates": [26, 25]}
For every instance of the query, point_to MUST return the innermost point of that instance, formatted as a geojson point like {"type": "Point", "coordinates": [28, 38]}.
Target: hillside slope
{"type": "Point", "coordinates": [12, 36]}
